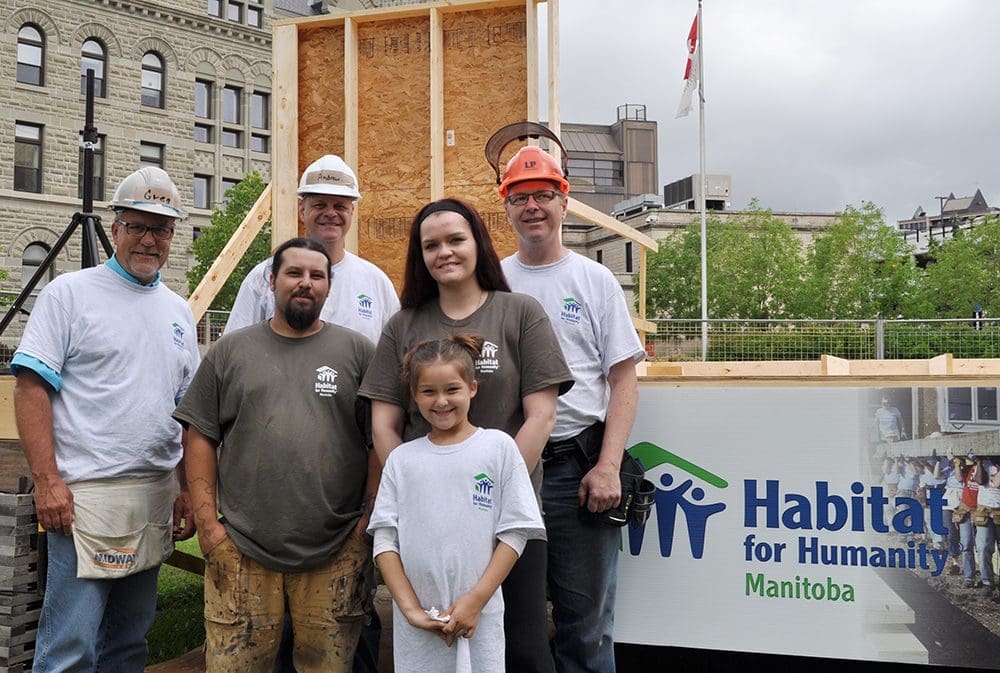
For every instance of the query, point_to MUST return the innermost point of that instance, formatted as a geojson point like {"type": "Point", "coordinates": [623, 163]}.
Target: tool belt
{"type": "Point", "coordinates": [960, 513]}
{"type": "Point", "coordinates": [637, 492]}
{"type": "Point", "coordinates": [983, 515]}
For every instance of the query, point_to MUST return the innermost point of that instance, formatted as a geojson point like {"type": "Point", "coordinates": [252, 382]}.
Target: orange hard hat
{"type": "Point", "coordinates": [532, 163]}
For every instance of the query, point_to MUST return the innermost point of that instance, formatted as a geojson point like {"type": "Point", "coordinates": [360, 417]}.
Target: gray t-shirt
{"type": "Point", "coordinates": [521, 356]}
{"type": "Point", "coordinates": [292, 461]}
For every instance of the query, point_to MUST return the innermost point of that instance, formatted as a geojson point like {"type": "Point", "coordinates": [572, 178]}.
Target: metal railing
{"type": "Point", "coordinates": [211, 326]}
{"type": "Point", "coordinates": [762, 340]}
{"type": "Point", "coordinates": [744, 340]}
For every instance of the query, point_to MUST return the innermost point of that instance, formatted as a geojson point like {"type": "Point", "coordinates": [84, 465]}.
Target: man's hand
{"type": "Point", "coordinates": [601, 487]}
{"type": "Point", "coordinates": [184, 526]}
{"type": "Point", "coordinates": [210, 536]}
{"type": "Point", "coordinates": [54, 503]}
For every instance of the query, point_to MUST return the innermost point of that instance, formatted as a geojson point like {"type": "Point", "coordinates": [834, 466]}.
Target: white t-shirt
{"type": "Point", "coordinates": [442, 509]}
{"type": "Point", "coordinates": [587, 308]}
{"type": "Point", "coordinates": [125, 353]}
{"type": "Point", "coordinates": [362, 297]}
{"type": "Point", "coordinates": [989, 493]}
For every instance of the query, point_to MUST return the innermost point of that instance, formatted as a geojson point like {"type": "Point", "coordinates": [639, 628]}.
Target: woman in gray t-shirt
{"type": "Point", "coordinates": [453, 283]}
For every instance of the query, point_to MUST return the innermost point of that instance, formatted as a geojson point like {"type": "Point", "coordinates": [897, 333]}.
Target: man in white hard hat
{"type": "Point", "coordinates": [361, 296]}
{"type": "Point", "coordinates": [591, 319]}
{"type": "Point", "coordinates": [106, 354]}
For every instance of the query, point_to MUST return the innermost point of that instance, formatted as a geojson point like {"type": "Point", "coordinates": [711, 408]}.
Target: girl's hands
{"type": "Point", "coordinates": [464, 618]}
{"type": "Point", "coordinates": [418, 618]}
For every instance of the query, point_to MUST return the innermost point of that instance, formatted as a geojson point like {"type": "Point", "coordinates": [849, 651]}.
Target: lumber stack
{"type": "Point", "coordinates": [20, 590]}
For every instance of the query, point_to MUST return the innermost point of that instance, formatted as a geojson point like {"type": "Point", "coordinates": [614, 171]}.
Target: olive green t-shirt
{"type": "Point", "coordinates": [292, 461]}
{"type": "Point", "coordinates": [521, 355]}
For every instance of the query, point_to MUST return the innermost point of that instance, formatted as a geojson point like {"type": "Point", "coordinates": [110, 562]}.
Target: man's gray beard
{"type": "Point", "coordinates": [300, 318]}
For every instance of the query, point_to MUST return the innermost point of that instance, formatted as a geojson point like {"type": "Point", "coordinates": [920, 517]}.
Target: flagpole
{"type": "Point", "coordinates": [701, 197]}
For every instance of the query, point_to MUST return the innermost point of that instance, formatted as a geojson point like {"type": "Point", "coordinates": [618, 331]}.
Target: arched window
{"type": "Point", "coordinates": [31, 55]}
{"type": "Point", "coordinates": [152, 80]}
{"type": "Point", "coordinates": [32, 258]}
{"type": "Point", "coordinates": [93, 57]}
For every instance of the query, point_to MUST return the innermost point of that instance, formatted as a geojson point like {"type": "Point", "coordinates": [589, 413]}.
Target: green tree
{"type": "Point", "coordinates": [861, 268]}
{"type": "Point", "coordinates": [673, 275]}
{"type": "Point", "coordinates": [966, 272]}
{"type": "Point", "coordinates": [755, 267]}
{"type": "Point", "coordinates": [240, 199]}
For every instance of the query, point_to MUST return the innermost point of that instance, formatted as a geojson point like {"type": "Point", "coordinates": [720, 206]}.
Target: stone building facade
{"type": "Point", "coordinates": [183, 84]}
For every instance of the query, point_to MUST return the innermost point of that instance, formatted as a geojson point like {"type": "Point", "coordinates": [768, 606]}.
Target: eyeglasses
{"type": "Point", "coordinates": [544, 196]}
{"type": "Point", "coordinates": [137, 230]}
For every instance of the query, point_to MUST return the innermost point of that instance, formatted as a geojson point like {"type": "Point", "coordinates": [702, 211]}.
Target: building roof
{"type": "Point", "coordinates": [589, 140]}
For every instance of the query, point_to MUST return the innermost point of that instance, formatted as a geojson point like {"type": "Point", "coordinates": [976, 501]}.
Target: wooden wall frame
{"type": "Point", "coordinates": [408, 97]}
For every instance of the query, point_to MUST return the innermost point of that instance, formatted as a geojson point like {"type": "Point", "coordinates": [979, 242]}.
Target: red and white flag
{"type": "Point", "coordinates": [691, 73]}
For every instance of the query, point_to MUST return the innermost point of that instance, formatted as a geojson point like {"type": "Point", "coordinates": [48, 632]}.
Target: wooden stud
{"type": "Point", "coordinates": [202, 297]}
{"type": "Point", "coordinates": [595, 216]}
{"type": "Point", "coordinates": [531, 78]}
{"type": "Point", "coordinates": [351, 118]}
{"type": "Point", "coordinates": [437, 139]}
{"type": "Point", "coordinates": [285, 149]}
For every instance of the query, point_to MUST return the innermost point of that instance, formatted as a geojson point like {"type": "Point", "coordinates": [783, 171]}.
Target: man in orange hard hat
{"type": "Point", "coordinates": [591, 319]}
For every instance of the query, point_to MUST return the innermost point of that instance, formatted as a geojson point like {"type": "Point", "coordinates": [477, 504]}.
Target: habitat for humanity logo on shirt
{"type": "Point", "coordinates": [482, 491]}
{"type": "Point", "coordinates": [571, 311]}
{"type": "Point", "coordinates": [366, 306]}
{"type": "Point", "coordinates": [326, 378]}
{"type": "Point", "coordinates": [489, 358]}
{"type": "Point", "coordinates": [178, 334]}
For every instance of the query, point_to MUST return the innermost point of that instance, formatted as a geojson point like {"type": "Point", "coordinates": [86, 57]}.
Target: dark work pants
{"type": "Point", "coordinates": [525, 618]}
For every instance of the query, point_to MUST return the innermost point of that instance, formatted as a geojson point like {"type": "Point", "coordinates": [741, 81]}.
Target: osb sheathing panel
{"type": "Point", "coordinates": [321, 94]}
{"type": "Point", "coordinates": [393, 136]}
{"type": "Point", "coordinates": [485, 71]}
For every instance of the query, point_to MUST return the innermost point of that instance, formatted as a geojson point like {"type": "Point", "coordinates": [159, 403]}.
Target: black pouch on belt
{"type": "Point", "coordinates": [637, 491]}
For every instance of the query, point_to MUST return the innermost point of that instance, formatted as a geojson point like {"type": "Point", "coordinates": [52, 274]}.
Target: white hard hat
{"type": "Point", "coordinates": [150, 190]}
{"type": "Point", "coordinates": [329, 175]}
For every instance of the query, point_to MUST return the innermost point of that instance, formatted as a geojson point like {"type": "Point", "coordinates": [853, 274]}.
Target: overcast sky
{"type": "Point", "coordinates": [811, 105]}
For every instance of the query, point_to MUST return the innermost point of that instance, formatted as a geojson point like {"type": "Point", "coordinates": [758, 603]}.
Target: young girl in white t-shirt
{"type": "Point", "coordinates": [453, 512]}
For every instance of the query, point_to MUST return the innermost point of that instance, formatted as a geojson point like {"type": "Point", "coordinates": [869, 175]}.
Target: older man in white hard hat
{"type": "Point", "coordinates": [105, 356]}
{"type": "Point", "coordinates": [361, 296]}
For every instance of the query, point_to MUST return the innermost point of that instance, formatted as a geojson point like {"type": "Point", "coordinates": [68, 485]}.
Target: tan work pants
{"type": "Point", "coordinates": [245, 607]}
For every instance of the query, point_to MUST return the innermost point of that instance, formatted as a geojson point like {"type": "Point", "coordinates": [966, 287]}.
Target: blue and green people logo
{"type": "Point", "coordinates": [482, 491]}
{"type": "Point", "coordinates": [571, 311]}
{"type": "Point", "coordinates": [683, 490]}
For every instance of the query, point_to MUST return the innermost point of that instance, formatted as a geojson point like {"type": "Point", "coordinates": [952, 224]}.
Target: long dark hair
{"type": "Point", "coordinates": [419, 287]}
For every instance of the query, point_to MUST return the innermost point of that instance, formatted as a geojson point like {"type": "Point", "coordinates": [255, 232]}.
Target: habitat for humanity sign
{"type": "Point", "coordinates": [771, 531]}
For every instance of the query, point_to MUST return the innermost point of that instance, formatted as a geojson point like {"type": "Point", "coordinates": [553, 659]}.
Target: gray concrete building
{"type": "Point", "coordinates": [181, 84]}
{"type": "Point", "coordinates": [954, 213]}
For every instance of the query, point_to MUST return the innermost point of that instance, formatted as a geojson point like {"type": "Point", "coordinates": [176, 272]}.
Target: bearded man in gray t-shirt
{"type": "Point", "coordinates": [275, 445]}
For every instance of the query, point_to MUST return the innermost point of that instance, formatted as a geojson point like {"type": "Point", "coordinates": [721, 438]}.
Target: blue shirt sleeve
{"type": "Point", "coordinates": [34, 364]}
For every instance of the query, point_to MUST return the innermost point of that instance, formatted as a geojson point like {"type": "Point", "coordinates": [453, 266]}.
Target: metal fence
{"type": "Point", "coordinates": [736, 340]}
{"type": "Point", "coordinates": [751, 340]}
{"type": "Point", "coordinates": [211, 326]}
